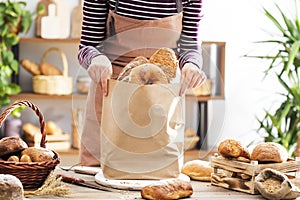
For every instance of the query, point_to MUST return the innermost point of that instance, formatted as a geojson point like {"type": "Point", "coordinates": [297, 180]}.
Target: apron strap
{"type": "Point", "coordinates": [116, 6]}
{"type": "Point", "coordinates": [179, 6]}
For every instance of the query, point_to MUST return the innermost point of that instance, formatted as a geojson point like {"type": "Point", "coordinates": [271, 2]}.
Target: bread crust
{"type": "Point", "coordinates": [52, 128]}
{"type": "Point", "coordinates": [166, 59]}
{"type": "Point", "coordinates": [11, 187]}
{"type": "Point", "coordinates": [10, 145]}
{"type": "Point", "coordinates": [38, 154]}
{"type": "Point", "coordinates": [31, 66]}
{"type": "Point", "coordinates": [198, 170]}
{"type": "Point", "coordinates": [146, 74]}
{"type": "Point", "coordinates": [50, 70]}
{"type": "Point", "coordinates": [124, 75]}
{"type": "Point", "coordinates": [269, 152]}
{"type": "Point", "coordinates": [231, 148]}
{"type": "Point", "coordinates": [189, 132]}
{"type": "Point", "coordinates": [170, 189]}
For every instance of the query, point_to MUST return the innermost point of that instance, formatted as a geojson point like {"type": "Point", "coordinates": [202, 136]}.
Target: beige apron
{"type": "Point", "coordinates": [127, 38]}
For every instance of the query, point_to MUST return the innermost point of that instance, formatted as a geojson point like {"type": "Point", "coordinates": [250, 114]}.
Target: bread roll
{"type": "Point", "coordinates": [10, 145]}
{"type": "Point", "coordinates": [13, 159]}
{"type": "Point", "coordinates": [231, 148]}
{"type": "Point", "coordinates": [198, 170]}
{"type": "Point", "coordinates": [52, 128]}
{"type": "Point", "coordinates": [166, 59]}
{"type": "Point", "coordinates": [31, 66]}
{"type": "Point", "coordinates": [11, 188]}
{"type": "Point", "coordinates": [269, 152]}
{"type": "Point", "coordinates": [189, 132]}
{"type": "Point", "coordinates": [31, 130]}
{"type": "Point", "coordinates": [25, 158]}
{"type": "Point", "coordinates": [49, 69]}
{"type": "Point", "coordinates": [242, 159]}
{"type": "Point", "coordinates": [146, 74]}
{"type": "Point", "coordinates": [124, 75]}
{"type": "Point", "coordinates": [38, 154]}
{"type": "Point", "coordinates": [170, 189]}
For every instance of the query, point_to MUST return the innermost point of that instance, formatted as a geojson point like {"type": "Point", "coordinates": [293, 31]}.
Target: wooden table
{"type": "Point", "coordinates": [202, 190]}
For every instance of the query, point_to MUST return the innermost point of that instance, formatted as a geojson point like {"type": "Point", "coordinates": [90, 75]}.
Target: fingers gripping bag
{"type": "Point", "coordinates": [142, 131]}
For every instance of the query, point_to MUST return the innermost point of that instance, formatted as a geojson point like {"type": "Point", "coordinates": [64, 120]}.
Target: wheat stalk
{"type": "Point", "coordinates": [53, 185]}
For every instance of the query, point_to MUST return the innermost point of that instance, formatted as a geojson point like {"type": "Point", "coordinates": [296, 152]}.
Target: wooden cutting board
{"type": "Point", "coordinates": [50, 24]}
{"type": "Point", "coordinates": [39, 17]}
{"type": "Point", "coordinates": [63, 13]}
{"type": "Point", "coordinates": [130, 184]}
{"type": "Point", "coordinates": [76, 20]}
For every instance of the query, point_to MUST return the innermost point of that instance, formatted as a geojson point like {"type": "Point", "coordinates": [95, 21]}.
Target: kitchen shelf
{"type": "Point", "coordinates": [83, 96]}
{"type": "Point", "coordinates": [42, 40]}
{"type": "Point", "coordinates": [44, 96]}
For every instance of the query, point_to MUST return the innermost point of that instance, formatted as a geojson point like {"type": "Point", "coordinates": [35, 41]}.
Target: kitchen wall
{"type": "Point", "coordinates": [239, 23]}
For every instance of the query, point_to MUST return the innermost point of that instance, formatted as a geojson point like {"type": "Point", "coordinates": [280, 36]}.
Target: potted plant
{"type": "Point", "coordinates": [14, 19]}
{"type": "Point", "coordinates": [282, 124]}
{"type": "Point", "coordinates": [13, 124]}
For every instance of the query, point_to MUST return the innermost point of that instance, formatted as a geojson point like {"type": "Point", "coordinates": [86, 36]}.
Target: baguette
{"type": "Point", "coordinates": [170, 189]}
{"type": "Point", "coordinates": [31, 66]}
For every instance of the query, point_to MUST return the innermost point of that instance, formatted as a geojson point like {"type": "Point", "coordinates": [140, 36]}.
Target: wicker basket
{"type": "Point", "coordinates": [31, 174]}
{"type": "Point", "coordinates": [53, 85]}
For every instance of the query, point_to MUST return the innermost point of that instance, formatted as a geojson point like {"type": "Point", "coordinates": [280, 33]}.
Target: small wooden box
{"type": "Point", "coordinates": [236, 175]}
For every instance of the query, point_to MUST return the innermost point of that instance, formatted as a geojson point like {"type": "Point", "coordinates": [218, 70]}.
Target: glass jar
{"type": "Point", "coordinates": [83, 84]}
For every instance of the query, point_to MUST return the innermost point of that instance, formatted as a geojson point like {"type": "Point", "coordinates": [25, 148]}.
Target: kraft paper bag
{"type": "Point", "coordinates": [142, 131]}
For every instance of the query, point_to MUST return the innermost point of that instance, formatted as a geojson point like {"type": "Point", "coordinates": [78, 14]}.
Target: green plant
{"type": "Point", "coordinates": [14, 19]}
{"type": "Point", "coordinates": [283, 125]}
{"type": "Point", "coordinates": [17, 112]}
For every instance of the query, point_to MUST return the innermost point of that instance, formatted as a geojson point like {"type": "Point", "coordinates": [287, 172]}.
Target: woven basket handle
{"type": "Point", "coordinates": [63, 58]}
{"type": "Point", "coordinates": [10, 108]}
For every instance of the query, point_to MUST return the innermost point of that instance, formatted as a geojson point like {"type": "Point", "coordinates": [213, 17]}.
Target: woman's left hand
{"type": "Point", "coordinates": [191, 77]}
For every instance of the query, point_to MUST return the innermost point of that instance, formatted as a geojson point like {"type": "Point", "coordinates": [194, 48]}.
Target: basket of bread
{"type": "Point", "coordinates": [32, 165]}
{"type": "Point", "coordinates": [47, 78]}
{"type": "Point", "coordinates": [236, 167]}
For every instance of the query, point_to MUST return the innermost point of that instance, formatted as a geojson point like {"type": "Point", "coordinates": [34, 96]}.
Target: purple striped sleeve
{"type": "Point", "coordinates": [190, 44]}
{"type": "Point", "coordinates": [192, 56]}
{"type": "Point", "coordinates": [86, 54]}
{"type": "Point", "coordinates": [93, 30]}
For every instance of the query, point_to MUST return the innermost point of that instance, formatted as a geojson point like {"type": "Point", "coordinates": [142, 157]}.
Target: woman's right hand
{"type": "Point", "coordinates": [100, 70]}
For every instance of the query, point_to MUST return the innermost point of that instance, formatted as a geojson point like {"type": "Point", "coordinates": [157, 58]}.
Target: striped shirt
{"type": "Point", "coordinates": [95, 14]}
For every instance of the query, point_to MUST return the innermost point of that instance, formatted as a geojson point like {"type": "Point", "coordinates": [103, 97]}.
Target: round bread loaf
{"type": "Point", "coordinates": [11, 188]}
{"type": "Point", "coordinates": [38, 154]}
{"type": "Point", "coordinates": [124, 75]}
{"type": "Point", "coordinates": [231, 148]}
{"type": "Point", "coordinates": [146, 74]}
{"type": "Point", "coordinates": [198, 170]}
{"type": "Point", "coordinates": [10, 145]}
{"type": "Point", "coordinates": [269, 152]}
